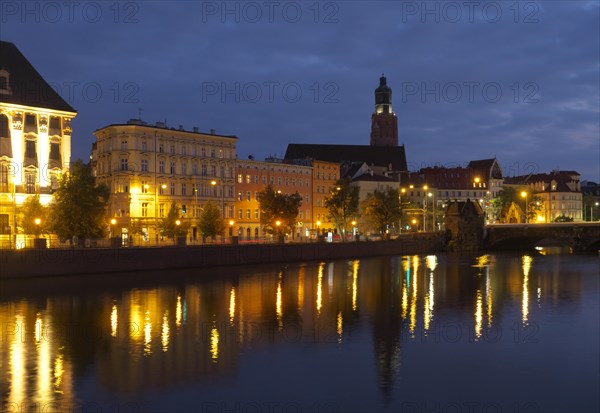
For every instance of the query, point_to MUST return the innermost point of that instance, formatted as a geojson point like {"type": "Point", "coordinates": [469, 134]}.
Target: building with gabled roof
{"type": "Point", "coordinates": [35, 138]}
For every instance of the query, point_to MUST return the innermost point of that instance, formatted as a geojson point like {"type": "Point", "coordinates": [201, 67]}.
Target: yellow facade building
{"type": "Point", "coordinates": [148, 167]}
{"type": "Point", "coordinates": [35, 140]}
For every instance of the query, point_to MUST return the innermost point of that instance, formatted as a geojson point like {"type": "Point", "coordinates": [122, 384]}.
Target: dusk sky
{"type": "Point", "coordinates": [471, 80]}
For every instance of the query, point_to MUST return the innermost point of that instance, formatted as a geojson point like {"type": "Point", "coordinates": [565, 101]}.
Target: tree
{"type": "Point", "coordinates": [535, 208]}
{"type": "Point", "coordinates": [342, 204]}
{"type": "Point", "coordinates": [382, 208]}
{"type": "Point", "coordinates": [79, 205]}
{"type": "Point", "coordinates": [33, 211]}
{"type": "Point", "coordinates": [277, 207]}
{"type": "Point", "coordinates": [211, 223]}
{"type": "Point", "coordinates": [563, 218]}
{"type": "Point", "coordinates": [169, 226]}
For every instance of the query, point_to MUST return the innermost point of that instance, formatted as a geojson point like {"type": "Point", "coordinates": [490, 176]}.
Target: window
{"type": "Point", "coordinates": [194, 168]}
{"type": "Point", "coordinates": [240, 178]}
{"type": "Point", "coordinates": [184, 169]}
{"type": "Point", "coordinates": [203, 170]}
{"type": "Point", "coordinates": [307, 198]}
{"type": "Point", "coordinates": [30, 123]}
{"type": "Point", "coordinates": [3, 180]}
{"type": "Point", "coordinates": [256, 216]}
{"type": "Point", "coordinates": [144, 146]}
{"type": "Point", "coordinates": [287, 181]}
{"type": "Point", "coordinates": [203, 152]}
{"type": "Point", "coordinates": [172, 149]}
{"type": "Point", "coordinates": [300, 183]}
{"type": "Point", "coordinates": [161, 148]}
{"type": "Point", "coordinates": [183, 149]}
{"type": "Point", "coordinates": [172, 168]}
{"type": "Point", "coordinates": [213, 170]}
{"type": "Point", "coordinates": [144, 187]}
{"type": "Point", "coordinates": [248, 214]}
{"type": "Point", "coordinates": [161, 189]}
{"type": "Point", "coordinates": [183, 189]}
{"type": "Point", "coordinates": [212, 153]}
{"type": "Point", "coordinates": [248, 195]}
{"type": "Point", "coordinates": [172, 188]}
{"type": "Point", "coordinates": [248, 179]}
{"type": "Point", "coordinates": [55, 151]}
{"type": "Point", "coordinates": [255, 179]}
{"type": "Point", "coordinates": [30, 182]}
{"type": "Point", "coordinates": [264, 180]}
{"type": "Point", "coordinates": [240, 213]}
{"type": "Point", "coordinates": [222, 172]}
{"type": "Point", "coordinates": [161, 167]}
{"type": "Point", "coordinates": [144, 209]}
{"type": "Point", "coordinates": [272, 180]}
{"type": "Point", "coordinates": [4, 224]}
{"type": "Point", "coordinates": [124, 164]}
{"type": "Point", "coordinates": [124, 145]}
{"type": "Point", "coordinates": [279, 181]}
{"type": "Point", "coordinates": [239, 196]}
{"type": "Point", "coordinates": [161, 210]}
{"type": "Point", "coordinates": [30, 150]}
{"type": "Point", "coordinates": [144, 165]}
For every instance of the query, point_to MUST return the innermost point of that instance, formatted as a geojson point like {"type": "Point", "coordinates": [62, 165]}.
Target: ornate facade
{"type": "Point", "coordinates": [35, 139]}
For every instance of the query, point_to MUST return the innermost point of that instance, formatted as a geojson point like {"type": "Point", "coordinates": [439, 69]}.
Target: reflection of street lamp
{"type": "Point", "coordinates": [524, 195]}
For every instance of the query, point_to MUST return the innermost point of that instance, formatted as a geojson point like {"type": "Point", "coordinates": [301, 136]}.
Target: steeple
{"type": "Point", "coordinates": [384, 123]}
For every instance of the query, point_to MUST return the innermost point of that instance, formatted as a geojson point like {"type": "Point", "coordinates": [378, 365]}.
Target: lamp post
{"type": "Point", "coordinates": [524, 195]}
{"type": "Point", "coordinates": [279, 235]}
{"type": "Point", "coordinates": [402, 192]}
{"type": "Point", "coordinates": [425, 187]}
{"type": "Point", "coordinates": [592, 210]}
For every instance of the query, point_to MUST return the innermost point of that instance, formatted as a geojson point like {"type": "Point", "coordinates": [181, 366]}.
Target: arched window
{"type": "Point", "coordinates": [5, 145]}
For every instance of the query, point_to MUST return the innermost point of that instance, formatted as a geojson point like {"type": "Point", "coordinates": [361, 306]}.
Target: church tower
{"type": "Point", "coordinates": [384, 123]}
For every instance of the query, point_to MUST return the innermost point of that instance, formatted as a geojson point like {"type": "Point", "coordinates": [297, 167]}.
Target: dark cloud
{"type": "Point", "coordinates": [168, 58]}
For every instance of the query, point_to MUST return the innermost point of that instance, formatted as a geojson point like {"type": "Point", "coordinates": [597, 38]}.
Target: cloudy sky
{"type": "Point", "coordinates": [471, 80]}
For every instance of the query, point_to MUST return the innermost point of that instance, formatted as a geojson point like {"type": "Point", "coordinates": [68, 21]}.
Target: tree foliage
{"type": "Point", "coordinates": [342, 204]}
{"type": "Point", "coordinates": [168, 226]}
{"type": "Point", "coordinates": [211, 223]}
{"type": "Point", "coordinates": [79, 206]}
{"type": "Point", "coordinates": [382, 209]}
{"type": "Point", "coordinates": [32, 210]}
{"type": "Point", "coordinates": [275, 206]}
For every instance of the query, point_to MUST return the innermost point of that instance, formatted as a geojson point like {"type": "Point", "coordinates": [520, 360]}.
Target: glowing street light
{"type": "Point", "coordinates": [524, 195]}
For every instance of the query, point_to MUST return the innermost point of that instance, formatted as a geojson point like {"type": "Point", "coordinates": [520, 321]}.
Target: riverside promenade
{"type": "Point", "coordinates": [78, 261]}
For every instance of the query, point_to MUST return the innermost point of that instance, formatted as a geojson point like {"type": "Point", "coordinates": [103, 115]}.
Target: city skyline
{"type": "Point", "coordinates": [513, 81]}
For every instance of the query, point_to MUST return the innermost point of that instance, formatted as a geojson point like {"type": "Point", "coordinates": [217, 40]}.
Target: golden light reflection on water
{"type": "Point", "coordinates": [38, 328]}
{"type": "Point", "coordinates": [489, 299]}
{"type": "Point", "coordinates": [114, 319]}
{"type": "Point", "coordinates": [16, 361]}
{"type": "Point", "coordinates": [355, 267]}
{"type": "Point", "coordinates": [278, 311]}
{"type": "Point", "coordinates": [178, 312]}
{"type": "Point", "coordinates": [478, 315]}
{"type": "Point", "coordinates": [214, 344]}
{"type": "Point", "coordinates": [165, 332]}
{"type": "Point", "coordinates": [482, 261]}
{"type": "Point", "coordinates": [413, 300]}
{"type": "Point", "coordinates": [300, 286]}
{"type": "Point", "coordinates": [58, 372]}
{"type": "Point", "coordinates": [527, 260]}
{"type": "Point", "coordinates": [44, 370]}
{"type": "Point", "coordinates": [429, 298]}
{"type": "Point", "coordinates": [232, 306]}
{"type": "Point", "coordinates": [340, 327]}
{"type": "Point", "coordinates": [320, 288]}
{"type": "Point", "coordinates": [147, 334]}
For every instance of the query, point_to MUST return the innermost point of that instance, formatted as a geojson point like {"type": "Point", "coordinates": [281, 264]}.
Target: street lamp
{"type": "Point", "coordinates": [112, 227]}
{"type": "Point", "coordinates": [318, 227]}
{"type": "Point", "coordinates": [524, 195]}
{"type": "Point", "coordinates": [231, 222]}
{"type": "Point", "coordinates": [37, 227]}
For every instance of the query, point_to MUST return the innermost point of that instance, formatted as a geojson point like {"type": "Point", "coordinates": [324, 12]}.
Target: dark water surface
{"type": "Point", "coordinates": [442, 333]}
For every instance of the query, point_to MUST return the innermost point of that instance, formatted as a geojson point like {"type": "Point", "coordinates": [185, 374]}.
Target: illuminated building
{"type": "Point", "coordinates": [147, 167]}
{"type": "Point", "coordinates": [254, 176]}
{"type": "Point", "coordinates": [35, 137]}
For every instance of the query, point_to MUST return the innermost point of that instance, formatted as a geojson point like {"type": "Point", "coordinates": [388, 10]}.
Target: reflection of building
{"type": "Point", "coordinates": [148, 167]}
{"type": "Point", "coordinates": [35, 136]}
{"type": "Point", "coordinates": [559, 192]}
{"type": "Point", "coordinates": [255, 176]}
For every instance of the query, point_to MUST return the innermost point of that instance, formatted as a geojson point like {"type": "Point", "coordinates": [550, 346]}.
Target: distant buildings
{"type": "Point", "coordinates": [35, 137]}
{"type": "Point", "coordinates": [559, 193]}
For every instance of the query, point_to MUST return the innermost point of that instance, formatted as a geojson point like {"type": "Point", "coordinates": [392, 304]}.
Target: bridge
{"type": "Point", "coordinates": [580, 236]}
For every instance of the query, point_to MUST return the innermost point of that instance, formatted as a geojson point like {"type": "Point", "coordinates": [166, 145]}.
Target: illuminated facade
{"type": "Point", "coordinates": [384, 122]}
{"type": "Point", "coordinates": [254, 176]}
{"type": "Point", "coordinates": [35, 138]}
{"type": "Point", "coordinates": [147, 167]}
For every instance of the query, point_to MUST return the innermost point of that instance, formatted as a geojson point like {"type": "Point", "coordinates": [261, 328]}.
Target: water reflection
{"type": "Point", "coordinates": [138, 340]}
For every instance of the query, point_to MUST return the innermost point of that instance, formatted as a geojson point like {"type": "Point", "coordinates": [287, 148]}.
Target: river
{"type": "Point", "coordinates": [439, 333]}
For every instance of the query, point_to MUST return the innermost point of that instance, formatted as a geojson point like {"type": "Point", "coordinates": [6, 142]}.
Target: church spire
{"type": "Point", "coordinates": [384, 123]}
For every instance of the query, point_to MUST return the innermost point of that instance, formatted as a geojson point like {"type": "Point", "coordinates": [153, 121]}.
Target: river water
{"type": "Point", "coordinates": [439, 333]}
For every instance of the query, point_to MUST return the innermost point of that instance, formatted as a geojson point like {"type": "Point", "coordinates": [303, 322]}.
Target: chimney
{"type": "Point", "coordinates": [195, 129]}
{"type": "Point", "coordinates": [213, 131]}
